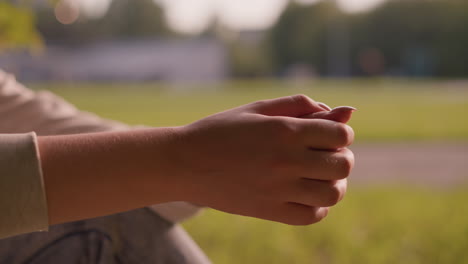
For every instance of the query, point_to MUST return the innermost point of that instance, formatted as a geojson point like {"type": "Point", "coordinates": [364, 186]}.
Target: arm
{"type": "Point", "coordinates": [97, 174]}
{"type": "Point", "coordinates": [259, 137]}
{"type": "Point", "coordinates": [257, 160]}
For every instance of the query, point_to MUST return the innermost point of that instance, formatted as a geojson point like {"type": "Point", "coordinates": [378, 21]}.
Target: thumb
{"type": "Point", "coordinates": [340, 114]}
{"type": "Point", "coordinates": [292, 106]}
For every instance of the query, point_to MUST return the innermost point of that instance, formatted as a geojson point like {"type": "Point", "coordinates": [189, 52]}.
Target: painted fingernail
{"type": "Point", "coordinates": [344, 108]}
{"type": "Point", "coordinates": [324, 106]}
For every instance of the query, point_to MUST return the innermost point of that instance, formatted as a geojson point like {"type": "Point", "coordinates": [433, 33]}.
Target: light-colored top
{"type": "Point", "coordinates": [23, 114]}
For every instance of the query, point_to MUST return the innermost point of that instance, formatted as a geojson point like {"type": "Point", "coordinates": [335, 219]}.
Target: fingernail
{"type": "Point", "coordinates": [324, 106]}
{"type": "Point", "coordinates": [344, 108]}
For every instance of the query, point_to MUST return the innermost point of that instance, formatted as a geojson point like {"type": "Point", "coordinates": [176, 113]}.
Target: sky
{"type": "Point", "coordinates": [193, 16]}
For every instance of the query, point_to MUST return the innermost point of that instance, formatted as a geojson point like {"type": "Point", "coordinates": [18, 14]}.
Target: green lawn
{"type": "Point", "coordinates": [372, 225]}
{"type": "Point", "coordinates": [375, 226]}
{"type": "Point", "coordinates": [388, 109]}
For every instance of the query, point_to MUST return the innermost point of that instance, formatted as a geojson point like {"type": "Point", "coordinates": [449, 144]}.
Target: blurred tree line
{"type": "Point", "coordinates": [125, 19]}
{"type": "Point", "coordinates": [399, 38]}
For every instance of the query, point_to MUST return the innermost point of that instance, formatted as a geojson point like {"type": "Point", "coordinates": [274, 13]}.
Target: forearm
{"type": "Point", "coordinates": [97, 174]}
{"type": "Point", "coordinates": [257, 160]}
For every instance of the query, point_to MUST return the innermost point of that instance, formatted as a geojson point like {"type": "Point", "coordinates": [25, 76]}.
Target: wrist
{"type": "Point", "coordinates": [154, 161]}
{"type": "Point", "coordinates": [182, 165]}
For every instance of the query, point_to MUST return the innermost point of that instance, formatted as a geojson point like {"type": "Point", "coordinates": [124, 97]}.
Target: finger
{"type": "Point", "coordinates": [323, 134]}
{"type": "Point", "coordinates": [324, 106]}
{"type": "Point", "coordinates": [288, 213]}
{"type": "Point", "coordinates": [293, 106]}
{"type": "Point", "coordinates": [340, 114]}
{"type": "Point", "coordinates": [299, 214]}
{"type": "Point", "coordinates": [325, 165]}
{"type": "Point", "coordinates": [318, 193]}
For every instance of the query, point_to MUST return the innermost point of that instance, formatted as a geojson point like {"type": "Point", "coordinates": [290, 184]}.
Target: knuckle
{"type": "Point", "coordinates": [301, 99]}
{"type": "Point", "coordinates": [345, 134]}
{"type": "Point", "coordinates": [258, 104]}
{"type": "Point", "coordinates": [281, 128]}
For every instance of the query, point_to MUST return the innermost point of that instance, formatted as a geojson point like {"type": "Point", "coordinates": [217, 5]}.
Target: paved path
{"type": "Point", "coordinates": [441, 164]}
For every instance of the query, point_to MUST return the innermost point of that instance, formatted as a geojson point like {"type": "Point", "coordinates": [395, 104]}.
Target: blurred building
{"type": "Point", "coordinates": [196, 60]}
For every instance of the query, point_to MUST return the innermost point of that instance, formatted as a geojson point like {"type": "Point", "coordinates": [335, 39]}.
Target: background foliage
{"type": "Point", "coordinates": [412, 37]}
{"type": "Point", "coordinates": [433, 30]}
{"type": "Point", "coordinates": [17, 28]}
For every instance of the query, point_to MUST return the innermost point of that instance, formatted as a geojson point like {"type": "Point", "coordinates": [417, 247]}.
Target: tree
{"type": "Point", "coordinates": [17, 28]}
{"type": "Point", "coordinates": [301, 35]}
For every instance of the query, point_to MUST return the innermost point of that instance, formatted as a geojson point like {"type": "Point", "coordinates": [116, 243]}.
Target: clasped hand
{"type": "Point", "coordinates": [284, 160]}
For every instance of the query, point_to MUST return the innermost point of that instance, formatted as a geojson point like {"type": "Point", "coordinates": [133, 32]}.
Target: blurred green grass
{"type": "Point", "coordinates": [386, 224]}
{"type": "Point", "coordinates": [388, 109]}
{"type": "Point", "coordinates": [371, 225]}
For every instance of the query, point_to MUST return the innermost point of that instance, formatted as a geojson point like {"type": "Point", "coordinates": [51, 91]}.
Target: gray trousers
{"type": "Point", "coordinates": [140, 236]}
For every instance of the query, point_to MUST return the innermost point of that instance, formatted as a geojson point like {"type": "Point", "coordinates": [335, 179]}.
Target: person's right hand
{"type": "Point", "coordinates": [263, 160]}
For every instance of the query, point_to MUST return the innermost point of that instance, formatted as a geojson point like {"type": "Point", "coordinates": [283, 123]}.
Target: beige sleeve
{"type": "Point", "coordinates": [23, 111]}
{"type": "Point", "coordinates": [23, 206]}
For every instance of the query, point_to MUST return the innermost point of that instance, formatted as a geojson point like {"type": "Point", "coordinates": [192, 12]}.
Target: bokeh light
{"type": "Point", "coordinates": [66, 12]}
